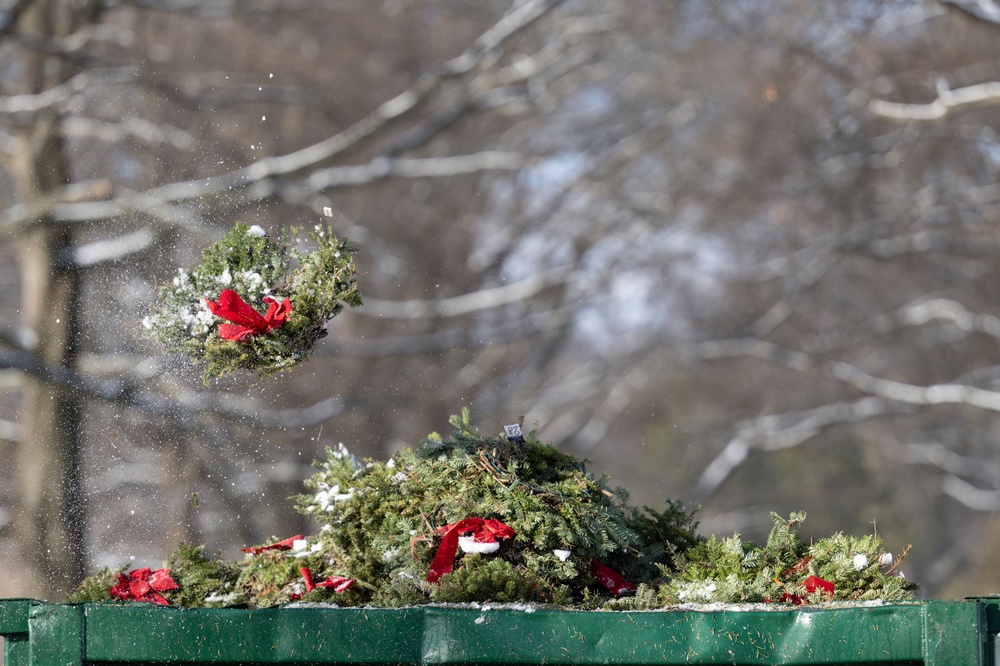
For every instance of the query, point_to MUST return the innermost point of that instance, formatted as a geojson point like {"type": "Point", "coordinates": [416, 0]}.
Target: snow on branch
{"type": "Point", "coordinates": [982, 93]}
{"type": "Point", "coordinates": [388, 167]}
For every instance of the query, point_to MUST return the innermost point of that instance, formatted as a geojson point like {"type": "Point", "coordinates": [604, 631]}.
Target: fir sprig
{"type": "Point", "coordinates": [732, 570]}
{"type": "Point", "coordinates": [381, 520]}
{"type": "Point", "coordinates": [381, 527]}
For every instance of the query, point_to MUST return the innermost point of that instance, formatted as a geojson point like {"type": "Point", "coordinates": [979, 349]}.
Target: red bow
{"type": "Point", "coordinates": [285, 544]}
{"type": "Point", "coordinates": [338, 583]}
{"type": "Point", "coordinates": [246, 320]}
{"type": "Point", "coordinates": [611, 579]}
{"type": "Point", "coordinates": [483, 531]}
{"type": "Point", "coordinates": [144, 585]}
{"type": "Point", "coordinates": [812, 584]}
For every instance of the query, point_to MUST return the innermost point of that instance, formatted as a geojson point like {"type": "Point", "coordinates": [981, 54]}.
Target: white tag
{"type": "Point", "coordinates": [513, 432]}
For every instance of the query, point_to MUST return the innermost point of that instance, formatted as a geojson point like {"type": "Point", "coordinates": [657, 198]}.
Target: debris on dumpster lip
{"type": "Point", "coordinates": [559, 538]}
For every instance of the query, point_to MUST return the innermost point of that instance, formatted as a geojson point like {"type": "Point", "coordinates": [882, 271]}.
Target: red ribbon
{"type": "Point", "coordinates": [338, 583]}
{"type": "Point", "coordinates": [812, 584]}
{"type": "Point", "coordinates": [483, 531]}
{"type": "Point", "coordinates": [284, 544]}
{"type": "Point", "coordinates": [611, 579]}
{"type": "Point", "coordinates": [144, 585]}
{"type": "Point", "coordinates": [246, 320]}
{"type": "Point", "coordinates": [308, 578]}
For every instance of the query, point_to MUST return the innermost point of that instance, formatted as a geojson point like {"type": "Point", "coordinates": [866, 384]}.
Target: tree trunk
{"type": "Point", "coordinates": [51, 523]}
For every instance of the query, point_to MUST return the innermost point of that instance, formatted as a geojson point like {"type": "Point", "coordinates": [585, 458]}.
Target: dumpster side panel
{"type": "Point", "coordinates": [935, 633]}
{"type": "Point", "coordinates": [56, 635]}
{"type": "Point", "coordinates": [14, 630]}
{"type": "Point", "coordinates": [14, 615]}
{"type": "Point", "coordinates": [16, 651]}
{"type": "Point", "coordinates": [142, 633]}
{"type": "Point", "coordinates": [884, 635]}
{"type": "Point", "coordinates": [954, 633]}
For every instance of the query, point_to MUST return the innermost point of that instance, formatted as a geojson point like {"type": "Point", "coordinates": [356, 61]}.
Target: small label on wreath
{"type": "Point", "coordinates": [513, 432]}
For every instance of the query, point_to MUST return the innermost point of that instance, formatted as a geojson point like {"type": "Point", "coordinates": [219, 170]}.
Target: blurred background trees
{"type": "Point", "coordinates": [739, 253]}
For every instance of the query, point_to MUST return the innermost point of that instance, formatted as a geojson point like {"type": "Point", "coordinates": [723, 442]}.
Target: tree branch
{"type": "Point", "coordinates": [774, 432]}
{"type": "Point", "coordinates": [106, 250]}
{"type": "Point", "coordinates": [454, 306]}
{"type": "Point", "coordinates": [381, 168]}
{"type": "Point", "coordinates": [256, 180]}
{"type": "Point", "coordinates": [974, 498]}
{"type": "Point", "coordinates": [984, 10]}
{"type": "Point", "coordinates": [130, 127]}
{"type": "Point", "coordinates": [454, 338]}
{"type": "Point", "coordinates": [33, 103]}
{"type": "Point", "coordinates": [925, 311]}
{"type": "Point", "coordinates": [184, 406]}
{"type": "Point", "coordinates": [947, 100]}
{"type": "Point", "coordinates": [935, 394]}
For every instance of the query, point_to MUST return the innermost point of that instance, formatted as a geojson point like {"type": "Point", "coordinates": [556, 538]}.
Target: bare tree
{"type": "Point", "coordinates": [93, 112]}
{"type": "Point", "coordinates": [736, 250]}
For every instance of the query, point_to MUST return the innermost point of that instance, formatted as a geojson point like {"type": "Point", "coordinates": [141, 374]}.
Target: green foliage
{"type": "Point", "coordinates": [383, 523]}
{"type": "Point", "coordinates": [318, 283]}
{"type": "Point", "coordinates": [96, 587]}
{"type": "Point", "coordinates": [381, 520]}
{"type": "Point", "coordinates": [488, 579]}
{"type": "Point", "coordinates": [733, 570]}
{"type": "Point", "coordinates": [203, 581]}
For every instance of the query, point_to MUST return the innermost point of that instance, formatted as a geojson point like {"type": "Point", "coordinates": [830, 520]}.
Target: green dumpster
{"type": "Point", "coordinates": [935, 632]}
